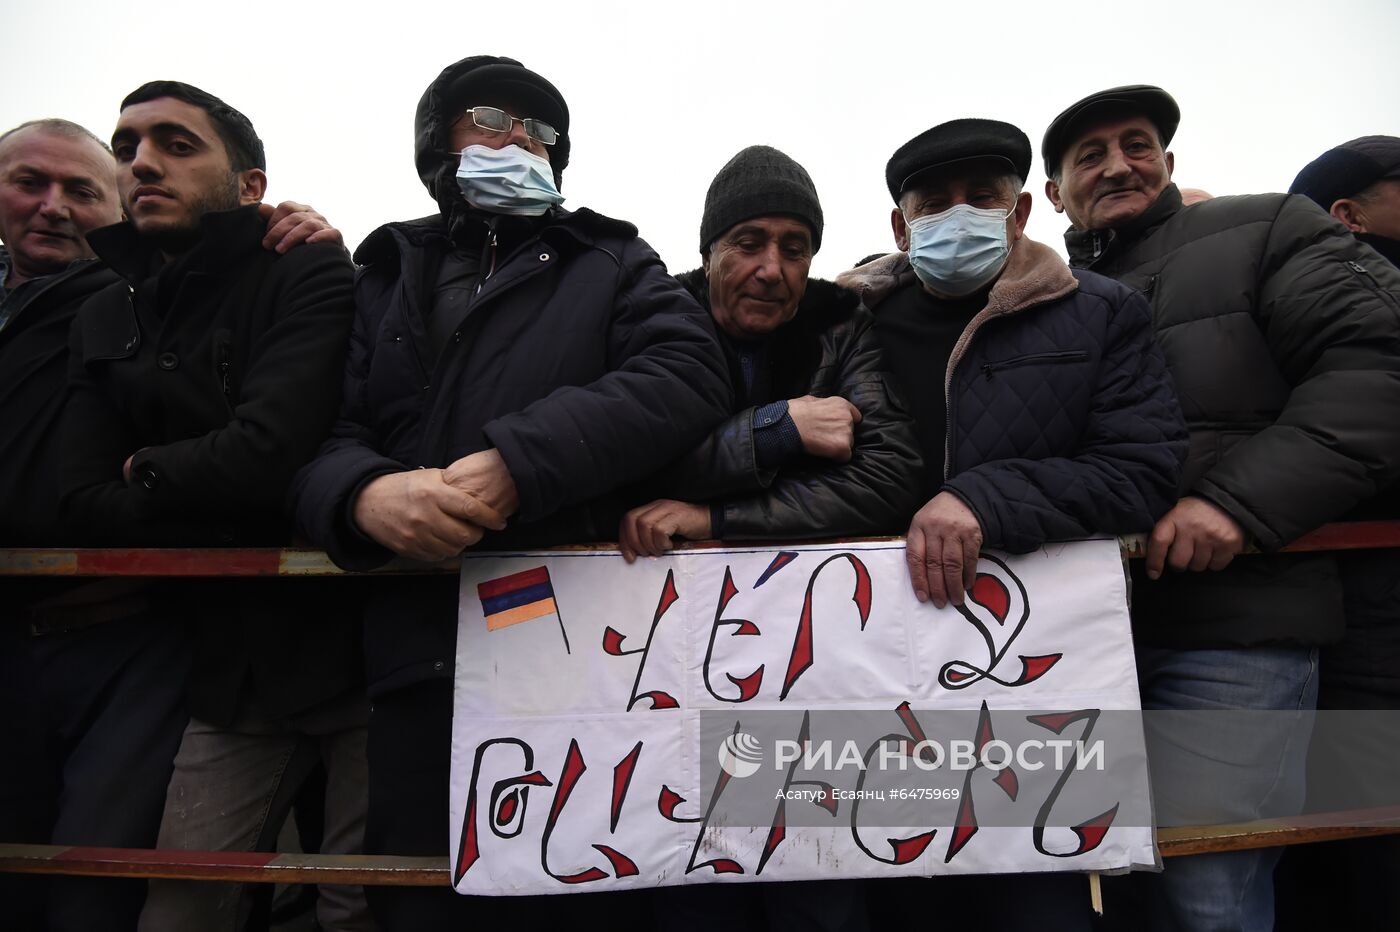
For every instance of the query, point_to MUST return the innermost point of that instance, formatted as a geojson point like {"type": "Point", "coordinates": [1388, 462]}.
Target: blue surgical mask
{"type": "Point", "coordinates": [508, 180]}
{"type": "Point", "coordinates": [959, 250]}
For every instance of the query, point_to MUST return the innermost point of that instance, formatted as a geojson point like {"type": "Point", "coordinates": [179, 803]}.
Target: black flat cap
{"type": "Point", "coordinates": [958, 141]}
{"type": "Point", "coordinates": [1348, 169]}
{"type": "Point", "coordinates": [1148, 99]}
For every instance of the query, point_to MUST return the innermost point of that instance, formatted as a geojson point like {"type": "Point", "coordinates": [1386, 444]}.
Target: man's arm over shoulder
{"type": "Point", "coordinates": [1329, 309]}
{"type": "Point", "coordinates": [668, 387]}
{"type": "Point", "coordinates": [875, 492]}
{"type": "Point", "coordinates": [285, 405]}
{"type": "Point", "coordinates": [1127, 469]}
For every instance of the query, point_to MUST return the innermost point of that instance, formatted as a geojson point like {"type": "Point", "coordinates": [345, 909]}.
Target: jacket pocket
{"type": "Point", "coordinates": [111, 334]}
{"type": "Point", "coordinates": [1062, 357]}
{"type": "Point", "coordinates": [1361, 272]}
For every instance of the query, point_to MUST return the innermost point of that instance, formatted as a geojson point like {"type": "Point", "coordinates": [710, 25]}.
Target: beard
{"type": "Point", "coordinates": [180, 235]}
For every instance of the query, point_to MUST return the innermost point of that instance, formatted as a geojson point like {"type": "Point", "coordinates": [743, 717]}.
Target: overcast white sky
{"type": "Point", "coordinates": [663, 94]}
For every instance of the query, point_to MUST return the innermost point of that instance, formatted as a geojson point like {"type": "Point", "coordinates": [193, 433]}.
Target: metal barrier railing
{"type": "Point", "coordinates": [292, 561]}
{"type": "Point", "coordinates": [384, 870]}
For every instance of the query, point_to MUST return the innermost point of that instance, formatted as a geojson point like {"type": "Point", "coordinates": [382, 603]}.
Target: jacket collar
{"type": "Point", "coordinates": [1085, 247]}
{"type": "Point", "coordinates": [1034, 275]}
{"type": "Point", "coordinates": [224, 236]}
{"type": "Point", "coordinates": [392, 240]}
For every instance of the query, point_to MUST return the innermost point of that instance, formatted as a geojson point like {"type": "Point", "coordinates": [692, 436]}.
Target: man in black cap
{"type": "Point", "coordinates": [1358, 182]}
{"type": "Point", "coordinates": [1042, 406]}
{"type": "Point", "coordinates": [817, 447]}
{"type": "Point", "coordinates": [1279, 328]}
{"type": "Point", "coordinates": [512, 364]}
{"type": "Point", "coordinates": [1351, 883]}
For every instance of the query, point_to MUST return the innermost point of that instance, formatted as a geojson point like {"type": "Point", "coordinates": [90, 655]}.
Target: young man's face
{"type": "Point", "coordinates": [53, 190]}
{"type": "Point", "coordinates": [172, 168]}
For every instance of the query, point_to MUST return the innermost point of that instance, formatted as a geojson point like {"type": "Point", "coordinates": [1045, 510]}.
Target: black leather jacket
{"type": "Point", "coordinates": [827, 349]}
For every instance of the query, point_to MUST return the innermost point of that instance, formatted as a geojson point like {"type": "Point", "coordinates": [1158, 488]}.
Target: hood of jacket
{"type": "Point", "coordinates": [431, 132]}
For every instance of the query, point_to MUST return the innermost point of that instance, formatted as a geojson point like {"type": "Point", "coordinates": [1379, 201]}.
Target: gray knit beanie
{"type": "Point", "coordinates": [757, 182]}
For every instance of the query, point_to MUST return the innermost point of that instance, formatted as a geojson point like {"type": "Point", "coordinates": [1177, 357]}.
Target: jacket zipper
{"type": "Point", "coordinates": [488, 257]}
{"type": "Point", "coordinates": [223, 366]}
{"type": "Point", "coordinates": [1371, 282]}
{"type": "Point", "coordinates": [1061, 357]}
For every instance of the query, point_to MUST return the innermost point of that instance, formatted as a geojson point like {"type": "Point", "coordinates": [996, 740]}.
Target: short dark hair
{"type": "Point", "coordinates": [58, 127]}
{"type": "Point", "coordinates": [245, 149]}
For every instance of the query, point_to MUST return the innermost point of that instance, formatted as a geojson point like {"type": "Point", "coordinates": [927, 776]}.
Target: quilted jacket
{"type": "Point", "coordinates": [1283, 336]}
{"type": "Point", "coordinates": [827, 349]}
{"type": "Point", "coordinates": [1062, 422]}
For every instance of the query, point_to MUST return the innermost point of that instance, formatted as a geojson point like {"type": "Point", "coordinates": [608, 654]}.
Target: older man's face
{"type": "Point", "coordinates": [757, 272]}
{"type": "Point", "coordinates": [1112, 173]}
{"type": "Point", "coordinates": [54, 189]}
{"type": "Point", "coordinates": [1376, 211]}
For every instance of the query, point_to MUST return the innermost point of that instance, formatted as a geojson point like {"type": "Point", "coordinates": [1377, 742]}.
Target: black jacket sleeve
{"type": "Point", "coordinates": [286, 403]}
{"type": "Point", "coordinates": [668, 386]}
{"type": "Point", "coordinates": [1329, 309]}
{"type": "Point", "coordinates": [1128, 467]}
{"type": "Point", "coordinates": [324, 491]}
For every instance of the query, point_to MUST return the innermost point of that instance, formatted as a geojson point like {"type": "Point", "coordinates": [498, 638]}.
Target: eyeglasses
{"type": "Point", "coordinates": [498, 121]}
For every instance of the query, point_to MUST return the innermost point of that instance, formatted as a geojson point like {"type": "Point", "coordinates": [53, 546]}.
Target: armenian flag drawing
{"type": "Point", "coordinates": [523, 596]}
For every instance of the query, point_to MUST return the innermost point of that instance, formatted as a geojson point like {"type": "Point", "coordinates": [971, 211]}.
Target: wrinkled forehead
{"type": "Point", "coordinates": [57, 154]}
{"type": "Point", "coordinates": [1112, 121]}
{"type": "Point", "coordinates": [771, 226]}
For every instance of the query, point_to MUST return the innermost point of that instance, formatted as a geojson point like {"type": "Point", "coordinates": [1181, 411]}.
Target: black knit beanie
{"type": "Point", "coordinates": [757, 182]}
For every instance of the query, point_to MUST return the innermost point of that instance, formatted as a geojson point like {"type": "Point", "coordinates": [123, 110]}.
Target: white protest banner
{"type": "Point", "coordinates": [742, 714]}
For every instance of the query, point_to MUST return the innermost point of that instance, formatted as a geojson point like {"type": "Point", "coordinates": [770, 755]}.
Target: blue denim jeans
{"type": "Point", "coordinates": [1235, 769]}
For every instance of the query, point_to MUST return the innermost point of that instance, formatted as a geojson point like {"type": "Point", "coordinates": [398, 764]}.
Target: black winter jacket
{"type": "Point", "coordinates": [579, 359]}
{"type": "Point", "coordinates": [1283, 337]}
{"type": "Point", "coordinates": [225, 397]}
{"type": "Point", "coordinates": [33, 372]}
{"type": "Point", "coordinates": [1062, 423]}
{"type": "Point", "coordinates": [827, 349]}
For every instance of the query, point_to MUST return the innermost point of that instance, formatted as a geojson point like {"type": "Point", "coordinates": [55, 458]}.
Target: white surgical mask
{"type": "Point", "coordinates": [959, 250]}
{"type": "Point", "coordinates": [508, 180]}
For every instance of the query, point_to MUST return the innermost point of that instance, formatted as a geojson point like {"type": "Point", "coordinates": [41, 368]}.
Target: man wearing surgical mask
{"type": "Point", "coordinates": [1043, 407]}
{"type": "Point", "coordinates": [512, 365]}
